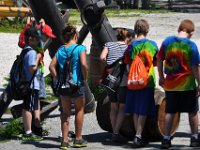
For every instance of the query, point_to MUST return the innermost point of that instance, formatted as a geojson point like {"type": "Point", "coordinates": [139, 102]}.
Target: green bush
{"type": "Point", "coordinates": [12, 129]}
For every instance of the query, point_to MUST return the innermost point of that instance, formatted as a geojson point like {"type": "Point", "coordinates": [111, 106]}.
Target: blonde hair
{"type": "Point", "coordinates": [141, 27]}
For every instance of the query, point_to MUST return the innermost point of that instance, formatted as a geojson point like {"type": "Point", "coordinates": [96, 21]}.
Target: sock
{"type": "Point", "coordinates": [28, 132]}
{"type": "Point", "coordinates": [167, 137]}
{"type": "Point", "coordinates": [195, 136]}
{"type": "Point", "coordinates": [138, 136]}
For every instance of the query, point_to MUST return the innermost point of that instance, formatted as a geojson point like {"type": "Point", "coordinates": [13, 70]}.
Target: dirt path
{"type": "Point", "coordinates": [161, 25]}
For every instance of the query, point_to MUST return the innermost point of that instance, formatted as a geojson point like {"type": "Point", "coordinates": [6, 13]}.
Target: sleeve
{"type": "Point", "coordinates": [32, 58]}
{"type": "Point", "coordinates": [81, 48]}
{"type": "Point", "coordinates": [127, 59]}
{"type": "Point", "coordinates": [161, 53]}
{"type": "Point", "coordinates": [195, 57]}
{"type": "Point", "coordinates": [61, 56]}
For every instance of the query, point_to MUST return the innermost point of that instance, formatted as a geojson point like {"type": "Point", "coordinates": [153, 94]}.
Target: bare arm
{"type": "Point", "coordinates": [196, 72]}
{"type": "Point", "coordinates": [34, 68]}
{"type": "Point", "coordinates": [160, 72]}
{"type": "Point", "coordinates": [52, 67]}
{"type": "Point", "coordinates": [104, 54]}
{"type": "Point", "coordinates": [84, 67]}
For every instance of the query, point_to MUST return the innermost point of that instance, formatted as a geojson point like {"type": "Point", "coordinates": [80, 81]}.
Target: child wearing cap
{"type": "Point", "coordinates": [31, 63]}
{"type": "Point", "coordinates": [45, 32]}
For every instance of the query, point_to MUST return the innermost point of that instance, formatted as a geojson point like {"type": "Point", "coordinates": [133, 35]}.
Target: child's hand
{"type": "Point", "coordinates": [39, 55]}
{"type": "Point", "coordinates": [198, 91]}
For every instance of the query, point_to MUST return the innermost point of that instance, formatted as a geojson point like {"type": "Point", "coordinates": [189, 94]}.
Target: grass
{"type": "Point", "coordinates": [12, 129]}
{"type": "Point", "coordinates": [15, 25]}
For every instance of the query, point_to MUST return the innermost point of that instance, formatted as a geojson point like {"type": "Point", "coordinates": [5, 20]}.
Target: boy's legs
{"type": "Point", "coordinates": [27, 120]}
{"type": "Point", "coordinates": [37, 116]}
{"type": "Point", "coordinates": [194, 121]}
{"type": "Point", "coordinates": [169, 117]}
{"type": "Point", "coordinates": [37, 121]}
{"type": "Point", "coordinates": [195, 140]}
{"type": "Point", "coordinates": [140, 124]}
{"type": "Point", "coordinates": [30, 104]}
{"type": "Point", "coordinates": [41, 95]}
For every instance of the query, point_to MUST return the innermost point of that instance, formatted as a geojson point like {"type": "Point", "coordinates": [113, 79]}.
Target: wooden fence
{"type": "Point", "coordinates": [177, 5]}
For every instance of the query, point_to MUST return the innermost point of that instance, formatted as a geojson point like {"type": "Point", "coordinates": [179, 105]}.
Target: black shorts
{"type": "Point", "coordinates": [181, 101]}
{"type": "Point", "coordinates": [119, 96]}
{"type": "Point", "coordinates": [31, 101]}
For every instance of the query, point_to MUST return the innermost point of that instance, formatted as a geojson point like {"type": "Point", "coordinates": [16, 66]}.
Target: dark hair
{"type": "Point", "coordinates": [31, 32]}
{"type": "Point", "coordinates": [131, 33]}
{"type": "Point", "coordinates": [187, 26]}
{"type": "Point", "coordinates": [68, 32]}
{"type": "Point", "coordinates": [141, 27]}
{"type": "Point", "coordinates": [122, 34]}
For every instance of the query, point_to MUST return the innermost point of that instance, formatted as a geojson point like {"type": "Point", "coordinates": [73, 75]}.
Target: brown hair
{"type": "Point", "coordinates": [68, 32]}
{"type": "Point", "coordinates": [186, 26]}
{"type": "Point", "coordinates": [141, 27]}
{"type": "Point", "coordinates": [122, 34]}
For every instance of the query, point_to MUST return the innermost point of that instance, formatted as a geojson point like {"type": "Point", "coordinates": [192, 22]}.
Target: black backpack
{"type": "Point", "coordinates": [66, 85]}
{"type": "Point", "coordinates": [18, 87]}
{"type": "Point", "coordinates": [114, 75]}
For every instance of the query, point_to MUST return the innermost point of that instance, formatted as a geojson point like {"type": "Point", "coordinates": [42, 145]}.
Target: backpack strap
{"type": "Point", "coordinates": [64, 66]}
{"type": "Point", "coordinates": [23, 53]}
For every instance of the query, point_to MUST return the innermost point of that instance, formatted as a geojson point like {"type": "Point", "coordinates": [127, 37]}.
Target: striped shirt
{"type": "Point", "coordinates": [115, 51]}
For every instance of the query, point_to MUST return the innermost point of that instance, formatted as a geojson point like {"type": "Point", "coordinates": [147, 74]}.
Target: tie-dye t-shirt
{"type": "Point", "coordinates": [179, 54]}
{"type": "Point", "coordinates": [146, 50]}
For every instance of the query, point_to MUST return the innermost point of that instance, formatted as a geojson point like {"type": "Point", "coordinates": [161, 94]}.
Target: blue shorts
{"type": "Point", "coordinates": [30, 103]}
{"type": "Point", "coordinates": [140, 102]}
{"type": "Point", "coordinates": [42, 91]}
{"type": "Point", "coordinates": [80, 92]}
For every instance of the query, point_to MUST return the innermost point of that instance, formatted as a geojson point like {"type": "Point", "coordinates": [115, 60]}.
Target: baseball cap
{"type": "Point", "coordinates": [46, 29]}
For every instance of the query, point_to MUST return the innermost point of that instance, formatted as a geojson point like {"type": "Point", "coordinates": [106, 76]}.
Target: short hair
{"type": "Point", "coordinates": [31, 32]}
{"type": "Point", "coordinates": [68, 32]}
{"type": "Point", "coordinates": [186, 26]}
{"type": "Point", "coordinates": [141, 27]}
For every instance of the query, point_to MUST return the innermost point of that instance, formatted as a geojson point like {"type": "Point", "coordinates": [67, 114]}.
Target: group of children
{"type": "Point", "coordinates": [178, 67]}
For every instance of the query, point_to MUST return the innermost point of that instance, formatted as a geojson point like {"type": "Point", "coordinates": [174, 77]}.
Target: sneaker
{"type": "Point", "coordinates": [166, 144]}
{"type": "Point", "coordinates": [80, 143]}
{"type": "Point", "coordinates": [31, 137]}
{"type": "Point", "coordinates": [194, 142]}
{"type": "Point", "coordinates": [139, 142]}
{"type": "Point", "coordinates": [117, 138]}
{"type": "Point", "coordinates": [65, 145]}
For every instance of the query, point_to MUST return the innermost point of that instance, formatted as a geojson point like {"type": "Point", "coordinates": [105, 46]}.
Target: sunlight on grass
{"type": "Point", "coordinates": [15, 25]}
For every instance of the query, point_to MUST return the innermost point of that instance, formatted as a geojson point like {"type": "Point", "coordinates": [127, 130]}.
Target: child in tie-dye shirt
{"type": "Point", "coordinates": [141, 103]}
{"type": "Point", "coordinates": [181, 66]}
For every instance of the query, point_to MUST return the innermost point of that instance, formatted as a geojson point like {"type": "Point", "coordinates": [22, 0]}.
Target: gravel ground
{"type": "Point", "coordinates": [161, 25]}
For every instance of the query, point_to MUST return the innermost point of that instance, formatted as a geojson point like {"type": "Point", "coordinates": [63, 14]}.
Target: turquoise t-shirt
{"type": "Point", "coordinates": [64, 52]}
